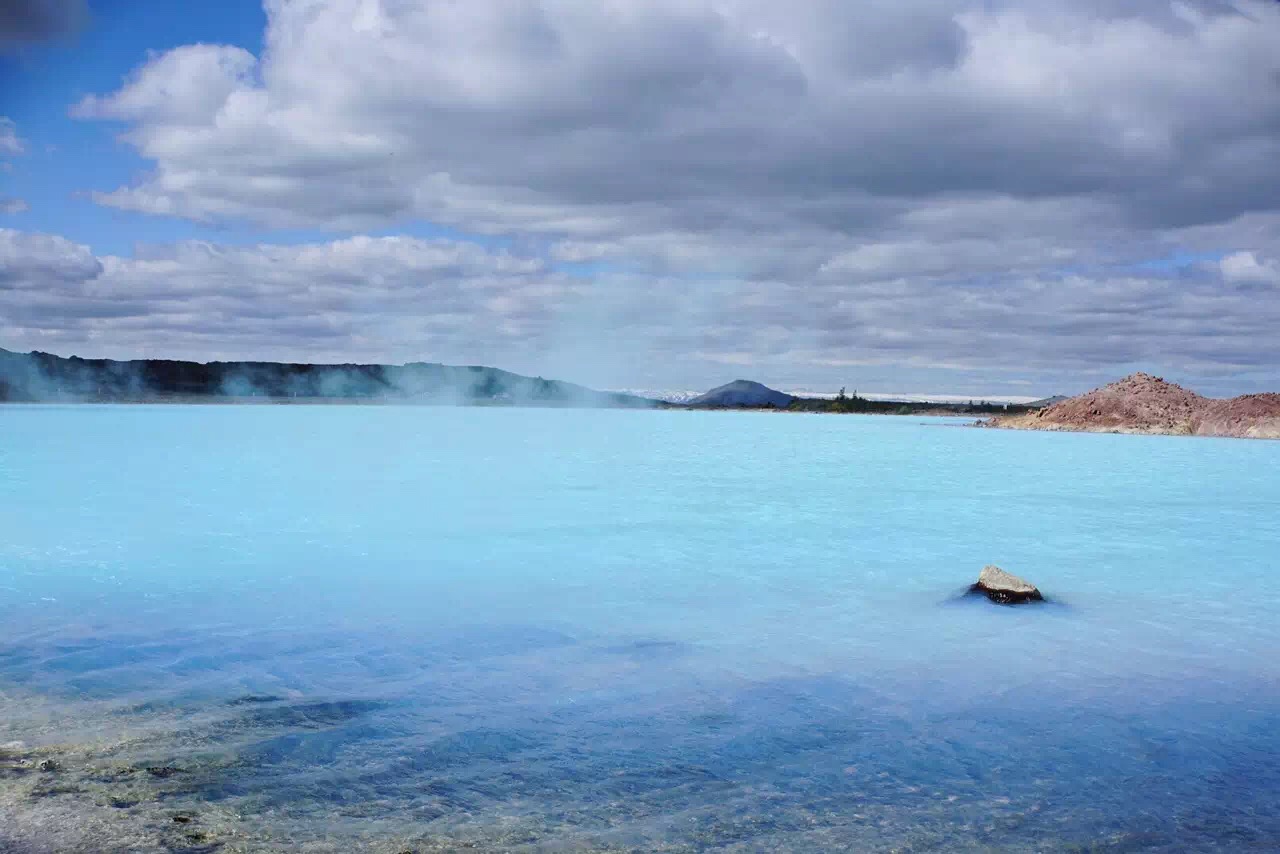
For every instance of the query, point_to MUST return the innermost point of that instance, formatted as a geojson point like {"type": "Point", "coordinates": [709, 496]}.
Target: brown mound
{"type": "Point", "coordinates": [1141, 403]}
{"type": "Point", "coordinates": [1252, 416]}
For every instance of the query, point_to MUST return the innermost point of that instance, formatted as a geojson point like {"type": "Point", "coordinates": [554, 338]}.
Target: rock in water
{"type": "Point", "coordinates": [1004, 588]}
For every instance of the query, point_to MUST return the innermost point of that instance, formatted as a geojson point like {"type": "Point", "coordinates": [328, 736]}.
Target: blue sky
{"type": "Point", "coordinates": [65, 157]}
{"type": "Point", "coordinates": [972, 198]}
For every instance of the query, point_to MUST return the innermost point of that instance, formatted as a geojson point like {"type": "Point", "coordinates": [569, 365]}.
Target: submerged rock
{"type": "Point", "coordinates": [1005, 588]}
{"type": "Point", "coordinates": [162, 771]}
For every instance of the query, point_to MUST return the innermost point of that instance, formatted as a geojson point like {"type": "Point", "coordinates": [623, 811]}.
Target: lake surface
{"type": "Point", "coordinates": [332, 628]}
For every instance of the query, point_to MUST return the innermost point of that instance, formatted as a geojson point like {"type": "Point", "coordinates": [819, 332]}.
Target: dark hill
{"type": "Point", "coordinates": [743, 393]}
{"type": "Point", "coordinates": [46, 377]}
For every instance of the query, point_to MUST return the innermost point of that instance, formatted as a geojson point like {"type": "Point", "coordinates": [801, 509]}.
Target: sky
{"type": "Point", "coordinates": [983, 197]}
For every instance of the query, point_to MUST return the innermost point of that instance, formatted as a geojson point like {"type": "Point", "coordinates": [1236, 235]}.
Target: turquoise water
{"type": "Point", "coordinates": [330, 628]}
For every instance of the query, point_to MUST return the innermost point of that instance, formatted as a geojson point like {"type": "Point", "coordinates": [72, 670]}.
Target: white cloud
{"type": "Point", "coordinates": [362, 297]}
{"type": "Point", "coordinates": [9, 141]}
{"type": "Point", "coordinates": [43, 261]}
{"type": "Point", "coordinates": [10, 205]}
{"type": "Point", "coordinates": [1246, 268]}
{"type": "Point", "coordinates": [611, 119]}
{"type": "Point", "coordinates": [183, 87]}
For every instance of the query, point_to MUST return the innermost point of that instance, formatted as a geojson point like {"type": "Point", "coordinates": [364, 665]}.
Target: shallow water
{"type": "Point", "coordinates": [329, 628]}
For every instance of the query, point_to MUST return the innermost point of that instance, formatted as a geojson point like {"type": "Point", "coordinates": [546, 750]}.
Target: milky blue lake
{"type": "Point", "coordinates": [384, 628]}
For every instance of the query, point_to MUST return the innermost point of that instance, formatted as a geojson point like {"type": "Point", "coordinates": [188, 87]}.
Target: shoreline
{"type": "Point", "coordinates": [1013, 417]}
{"type": "Point", "coordinates": [987, 424]}
{"type": "Point", "coordinates": [891, 408]}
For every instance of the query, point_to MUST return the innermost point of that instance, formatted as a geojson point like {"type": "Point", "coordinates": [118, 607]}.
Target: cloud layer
{"type": "Point", "coordinates": [731, 117]}
{"type": "Point", "coordinates": [403, 299]}
{"type": "Point", "coordinates": [983, 192]}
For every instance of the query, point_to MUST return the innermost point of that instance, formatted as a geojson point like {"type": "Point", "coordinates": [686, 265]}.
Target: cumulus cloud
{"type": "Point", "coordinates": [26, 21]}
{"type": "Point", "coordinates": [11, 205]}
{"type": "Point", "coordinates": [1246, 268]}
{"type": "Point", "coordinates": [43, 261]}
{"type": "Point", "coordinates": [568, 118]}
{"type": "Point", "coordinates": [387, 298]}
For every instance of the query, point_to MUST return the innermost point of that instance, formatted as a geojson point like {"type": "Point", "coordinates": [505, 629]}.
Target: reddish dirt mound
{"type": "Point", "coordinates": [1253, 416]}
{"type": "Point", "coordinates": [1141, 403]}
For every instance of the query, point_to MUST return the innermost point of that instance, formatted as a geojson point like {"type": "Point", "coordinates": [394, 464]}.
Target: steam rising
{"type": "Point", "coordinates": [43, 377]}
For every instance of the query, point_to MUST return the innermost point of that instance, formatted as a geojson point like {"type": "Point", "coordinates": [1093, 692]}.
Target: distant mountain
{"type": "Point", "coordinates": [743, 393]}
{"type": "Point", "coordinates": [1047, 401]}
{"type": "Point", "coordinates": [44, 377]}
{"type": "Point", "coordinates": [1141, 403]}
{"type": "Point", "coordinates": [679, 396]}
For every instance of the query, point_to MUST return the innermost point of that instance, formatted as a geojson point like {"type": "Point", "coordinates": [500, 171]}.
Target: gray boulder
{"type": "Point", "coordinates": [1005, 588]}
